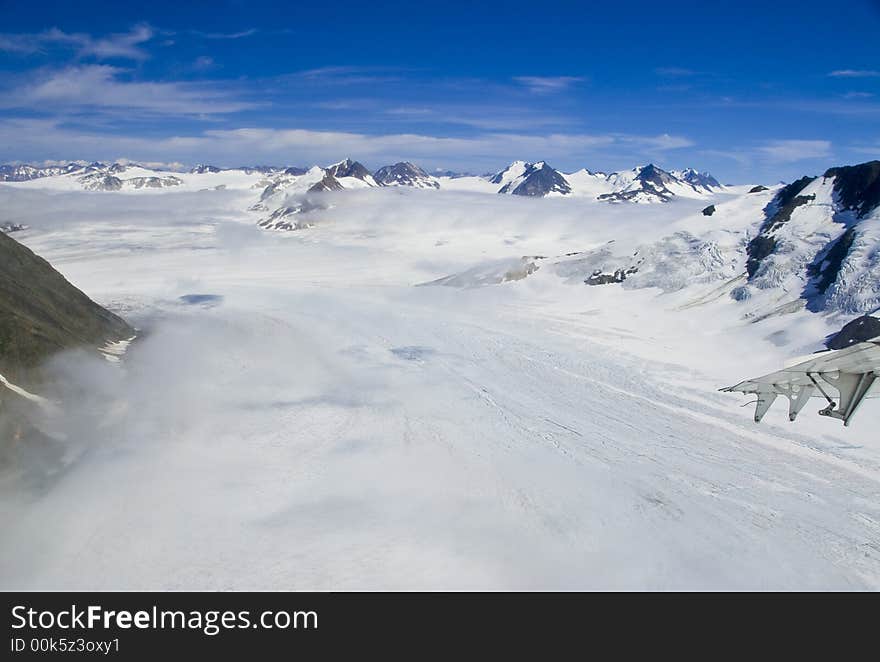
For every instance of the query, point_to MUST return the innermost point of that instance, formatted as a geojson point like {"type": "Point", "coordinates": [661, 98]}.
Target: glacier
{"type": "Point", "coordinates": [325, 424]}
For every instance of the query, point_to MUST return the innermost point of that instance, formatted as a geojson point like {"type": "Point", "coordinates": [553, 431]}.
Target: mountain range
{"type": "Point", "coordinates": [642, 184]}
{"type": "Point", "coordinates": [814, 244]}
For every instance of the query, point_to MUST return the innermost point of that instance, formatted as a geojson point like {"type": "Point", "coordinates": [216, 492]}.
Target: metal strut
{"type": "Point", "coordinates": [831, 404]}
{"type": "Point", "coordinates": [852, 388]}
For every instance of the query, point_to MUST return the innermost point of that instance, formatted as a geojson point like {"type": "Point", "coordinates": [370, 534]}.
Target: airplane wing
{"type": "Point", "coordinates": [848, 373]}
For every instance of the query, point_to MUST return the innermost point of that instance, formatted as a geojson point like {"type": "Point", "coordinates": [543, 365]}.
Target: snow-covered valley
{"type": "Point", "coordinates": [392, 398]}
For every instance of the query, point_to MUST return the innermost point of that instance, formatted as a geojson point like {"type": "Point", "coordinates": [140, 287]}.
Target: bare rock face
{"type": "Point", "coordinates": [99, 181]}
{"type": "Point", "coordinates": [858, 330]}
{"type": "Point", "coordinates": [650, 184]}
{"type": "Point", "coordinates": [153, 182]}
{"type": "Point", "coordinates": [290, 217]}
{"type": "Point", "coordinates": [699, 180]}
{"type": "Point", "coordinates": [537, 180]}
{"type": "Point", "coordinates": [617, 276]}
{"type": "Point", "coordinates": [327, 183]}
{"type": "Point", "coordinates": [41, 313]}
{"type": "Point", "coordinates": [349, 168]}
{"type": "Point", "coordinates": [404, 174]}
{"type": "Point", "coordinates": [779, 213]}
{"type": "Point", "coordinates": [201, 169]}
{"type": "Point", "coordinates": [857, 187]}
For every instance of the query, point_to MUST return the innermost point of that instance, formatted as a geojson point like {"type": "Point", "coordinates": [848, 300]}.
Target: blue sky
{"type": "Point", "coordinates": [749, 91]}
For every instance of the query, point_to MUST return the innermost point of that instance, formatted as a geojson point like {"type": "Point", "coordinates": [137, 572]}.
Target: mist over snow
{"type": "Point", "coordinates": [297, 414]}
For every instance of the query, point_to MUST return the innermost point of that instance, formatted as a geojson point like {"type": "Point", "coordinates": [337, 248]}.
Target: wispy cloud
{"type": "Point", "coordinates": [203, 63]}
{"type": "Point", "coordinates": [487, 117]}
{"type": "Point", "coordinates": [102, 87]}
{"type": "Point", "coordinates": [52, 139]}
{"type": "Point", "coordinates": [124, 45]}
{"type": "Point", "coordinates": [344, 75]}
{"type": "Point", "coordinates": [225, 35]}
{"type": "Point", "coordinates": [740, 157]}
{"type": "Point", "coordinates": [678, 87]}
{"type": "Point", "coordinates": [674, 72]}
{"type": "Point", "coordinates": [857, 95]}
{"type": "Point", "coordinates": [867, 148]}
{"type": "Point", "coordinates": [786, 151]}
{"type": "Point", "coordinates": [856, 105]}
{"type": "Point", "coordinates": [855, 73]}
{"type": "Point", "coordinates": [659, 143]}
{"type": "Point", "coordinates": [547, 84]}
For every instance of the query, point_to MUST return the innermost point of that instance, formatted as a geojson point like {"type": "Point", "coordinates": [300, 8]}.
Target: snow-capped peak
{"type": "Point", "coordinates": [404, 174]}
{"type": "Point", "coordinates": [531, 179]}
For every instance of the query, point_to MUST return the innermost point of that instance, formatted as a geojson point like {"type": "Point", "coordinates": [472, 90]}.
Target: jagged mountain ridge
{"type": "Point", "coordinates": [647, 183]}
{"type": "Point", "coordinates": [644, 184]}
{"type": "Point", "coordinates": [815, 240]}
{"type": "Point", "coordinates": [700, 180]}
{"type": "Point", "coordinates": [531, 179]}
{"type": "Point", "coordinates": [404, 174]}
{"type": "Point", "coordinates": [814, 244]}
{"type": "Point", "coordinates": [349, 168]}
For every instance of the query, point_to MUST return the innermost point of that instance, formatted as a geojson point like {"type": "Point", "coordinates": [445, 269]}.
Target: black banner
{"type": "Point", "coordinates": [154, 625]}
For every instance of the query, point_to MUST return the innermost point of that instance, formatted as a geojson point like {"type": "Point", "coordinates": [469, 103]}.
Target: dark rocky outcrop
{"type": "Point", "coordinates": [454, 174]}
{"type": "Point", "coordinates": [288, 217]}
{"type": "Point", "coordinates": [778, 213]}
{"type": "Point", "coordinates": [757, 249]}
{"type": "Point", "coordinates": [758, 189]}
{"type": "Point", "coordinates": [708, 211]}
{"type": "Point", "coordinates": [202, 169]}
{"type": "Point", "coordinates": [99, 181]}
{"type": "Point", "coordinates": [349, 168]}
{"type": "Point", "coordinates": [857, 187]}
{"type": "Point", "coordinates": [41, 313]}
{"type": "Point", "coordinates": [327, 183]}
{"type": "Point", "coordinates": [825, 268]}
{"type": "Point", "coordinates": [858, 330]}
{"type": "Point", "coordinates": [698, 179]}
{"type": "Point", "coordinates": [650, 182]}
{"type": "Point", "coordinates": [404, 174]}
{"type": "Point", "coordinates": [656, 176]}
{"type": "Point", "coordinates": [154, 182]}
{"type": "Point", "coordinates": [270, 190]}
{"type": "Point", "coordinates": [262, 169]}
{"type": "Point", "coordinates": [19, 173]}
{"type": "Point", "coordinates": [538, 180]}
{"type": "Point", "coordinates": [617, 276]}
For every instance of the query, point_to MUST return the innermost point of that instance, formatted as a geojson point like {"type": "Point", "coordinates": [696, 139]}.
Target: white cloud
{"type": "Point", "coordinates": [674, 72]}
{"type": "Point", "coordinates": [18, 43]}
{"type": "Point", "coordinates": [344, 75]}
{"type": "Point", "coordinates": [44, 139]}
{"type": "Point", "coordinates": [659, 143]}
{"type": "Point", "coordinates": [225, 35]}
{"type": "Point", "coordinates": [854, 73]}
{"type": "Point", "coordinates": [795, 150]}
{"type": "Point", "coordinates": [546, 84]}
{"type": "Point", "coordinates": [125, 45]}
{"type": "Point", "coordinates": [102, 86]}
{"type": "Point", "coordinates": [868, 148]}
{"type": "Point", "coordinates": [203, 63]}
